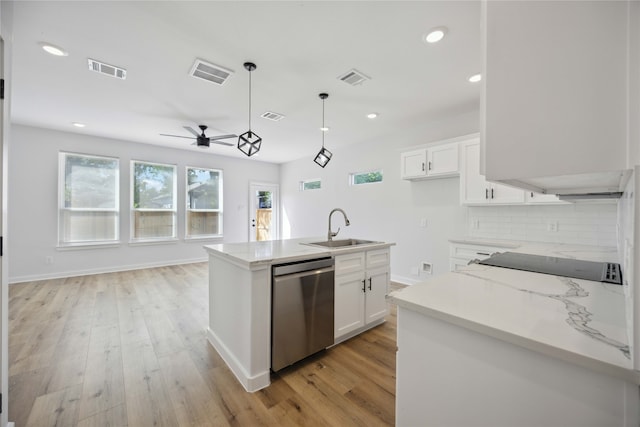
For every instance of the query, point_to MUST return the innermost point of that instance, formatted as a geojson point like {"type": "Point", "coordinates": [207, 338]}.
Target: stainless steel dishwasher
{"type": "Point", "coordinates": [302, 299]}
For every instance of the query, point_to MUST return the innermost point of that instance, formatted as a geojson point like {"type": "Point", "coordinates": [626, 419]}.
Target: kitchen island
{"type": "Point", "coordinates": [489, 346]}
{"type": "Point", "coordinates": [240, 297]}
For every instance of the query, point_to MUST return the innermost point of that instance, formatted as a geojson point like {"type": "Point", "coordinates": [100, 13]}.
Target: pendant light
{"type": "Point", "coordinates": [249, 143]}
{"type": "Point", "coordinates": [324, 155]}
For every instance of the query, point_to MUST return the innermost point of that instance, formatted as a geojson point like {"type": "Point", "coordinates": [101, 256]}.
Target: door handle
{"type": "Point", "coordinates": [364, 285]}
{"type": "Point", "coordinates": [486, 193]}
{"type": "Point", "coordinates": [492, 193]}
{"type": "Point", "coordinates": [429, 165]}
{"type": "Point", "coordinates": [422, 166]}
{"type": "Point", "coordinates": [369, 283]}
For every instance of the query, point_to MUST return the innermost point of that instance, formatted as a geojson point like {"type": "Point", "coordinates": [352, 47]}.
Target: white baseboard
{"type": "Point", "coordinates": [75, 273]}
{"type": "Point", "coordinates": [249, 383]}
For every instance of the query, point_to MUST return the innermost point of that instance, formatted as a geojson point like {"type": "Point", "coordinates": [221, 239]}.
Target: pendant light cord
{"type": "Point", "coordinates": [323, 131]}
{"type": "Point", "coordinates": [249, 100]}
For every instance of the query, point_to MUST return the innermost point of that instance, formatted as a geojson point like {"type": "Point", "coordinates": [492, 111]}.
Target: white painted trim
{"type": "Point", "coordinates": [250, 384]}
{"type": "Point", "coordinates": [61, 275]}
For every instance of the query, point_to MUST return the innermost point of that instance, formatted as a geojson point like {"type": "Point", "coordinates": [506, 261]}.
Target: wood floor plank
{"type": "Point", "coordinates": [147, 397]}
{"type": "Point", "coordinates": [113, 417]}
{"type": "Point", "coordinates": [55, 409]}
{"type": "Point", "coordinates": [103, 386]}
{"type": "Point", "coordinates": [192, 400]}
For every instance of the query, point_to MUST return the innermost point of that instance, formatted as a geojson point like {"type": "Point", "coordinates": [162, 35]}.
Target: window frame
{"type": "Point", "coordinates": [62, 185]}
{"type": "Point", "coordinates": [133, 210]}
{"type": "Point", "coordinates": [220, 209]}
{"type": "Point", "coordinates": [308, 181]}
{"type": "Point", "coordinates": [352, 176]}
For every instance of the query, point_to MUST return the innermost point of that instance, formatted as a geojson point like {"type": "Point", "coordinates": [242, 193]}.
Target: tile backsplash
{"type": "Point", "coordinates": [579, 223]}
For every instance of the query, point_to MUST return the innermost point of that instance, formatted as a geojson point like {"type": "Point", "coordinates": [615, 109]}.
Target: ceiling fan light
{"type": "Point", "coordinates": [323, 157]}
{"type": "Point", "coordinates": [249, 143]}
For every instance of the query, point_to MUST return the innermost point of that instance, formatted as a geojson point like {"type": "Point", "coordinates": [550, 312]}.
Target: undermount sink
{"type": "Point", "coordinates": [341, 243]}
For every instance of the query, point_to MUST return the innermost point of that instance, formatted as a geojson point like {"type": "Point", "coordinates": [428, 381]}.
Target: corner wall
{"type": "Point", "coordinates": [33, 204]}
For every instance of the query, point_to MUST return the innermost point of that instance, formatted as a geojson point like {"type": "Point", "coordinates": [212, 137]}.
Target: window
{"type": "Point", "coordinates": [204, 202]}
{"type": "Point", "coordinates": [153, 194]}
{"type": "Point", "coordinates": [311, 184]}
{"type": "Point", "coordinates": [88, 199]}
{"type": "Point", "coordinates": [365, 177]}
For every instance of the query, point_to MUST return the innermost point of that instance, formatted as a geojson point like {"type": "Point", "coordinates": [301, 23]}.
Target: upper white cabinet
{"type": "Point", "coordinates": [474, 188]}
{"type": "Point", "coordinates": [556, 97]}
{"type": "Point", "coordinates": [438, 161]}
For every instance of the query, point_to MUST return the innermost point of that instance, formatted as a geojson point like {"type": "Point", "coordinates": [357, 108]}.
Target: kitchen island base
{"type": "Point", "coordinates": [449, 375]}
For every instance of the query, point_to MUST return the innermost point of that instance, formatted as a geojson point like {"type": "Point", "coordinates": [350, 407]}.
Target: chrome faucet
{"type": "Point", "coordinates": [331, 234]}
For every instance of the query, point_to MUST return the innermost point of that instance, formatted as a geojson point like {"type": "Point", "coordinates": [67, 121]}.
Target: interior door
{"type": "Point", "coordinates": [263, 212]}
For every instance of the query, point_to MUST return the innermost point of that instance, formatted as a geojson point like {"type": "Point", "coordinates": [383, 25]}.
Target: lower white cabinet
{"type": "Point", "coordinates": [460, 254]}
{"type": "Point", "coordinates": [361, 285]}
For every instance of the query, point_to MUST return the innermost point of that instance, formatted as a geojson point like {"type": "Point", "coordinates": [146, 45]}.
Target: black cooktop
{"type": "Point", "coordinates": [589, 270]}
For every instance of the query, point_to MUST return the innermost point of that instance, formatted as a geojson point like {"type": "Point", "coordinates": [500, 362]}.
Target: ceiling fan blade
{"type": "Point", "coordinates": [177, 136]}
{"type": "Point", "coordinates": [215, 138]}
{"type": "Point", "coordinates": [230, 144]}
{"type": "Point", "coordinates": [191, 130]}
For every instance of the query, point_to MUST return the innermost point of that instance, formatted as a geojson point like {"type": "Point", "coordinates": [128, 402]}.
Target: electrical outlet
{"type": "Point", "coordinates": [48, 260]}
{"type": "Point", "coordinates": [552, 226]}
{"type": "Point", "coordinates": [414, 271]}
{"type": "Point", "coordinates": [423, 222]}
{"type": "Point", "coordinates": [476, 224]}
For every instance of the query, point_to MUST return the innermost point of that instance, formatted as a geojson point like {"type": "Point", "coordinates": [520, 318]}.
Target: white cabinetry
{"type": "Point", "coordinates": [474, 188]}
{"type": "Point", "coordinates": [361, 285]}
{"type": "Point", "coordinates": [460, 254]}
{"type": "Point", "coordinates": [438, 161]}
{"type": "Point", "coordinates": [556, 94]}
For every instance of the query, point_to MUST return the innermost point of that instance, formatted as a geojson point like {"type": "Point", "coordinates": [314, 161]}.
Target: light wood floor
{"type": "Point", "coordinates": [129, 348]}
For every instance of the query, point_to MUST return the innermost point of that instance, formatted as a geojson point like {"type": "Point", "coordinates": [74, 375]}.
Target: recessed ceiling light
{"type": "Point", "coordinates": [324, 129]}
{"type": "Point", "coordinates": [78, 125]}
{"type": "Point", "coordinates": [475, 78]}
{"type": "Point", "coordinates": [372, 115]}
{"type": "Point", "coordinates": [53, 49]}
{"type": "Point", "coordinates": [435, 35]}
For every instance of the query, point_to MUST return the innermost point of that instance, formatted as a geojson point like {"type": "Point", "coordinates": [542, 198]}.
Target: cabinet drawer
{"type": "Point", "coordinates": [349, 263]}
{"type": "Point", "coordinates": [378, 258]}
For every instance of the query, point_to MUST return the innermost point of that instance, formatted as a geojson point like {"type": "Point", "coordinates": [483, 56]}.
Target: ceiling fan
{"type": "Point", "coordinates": [203, 140]}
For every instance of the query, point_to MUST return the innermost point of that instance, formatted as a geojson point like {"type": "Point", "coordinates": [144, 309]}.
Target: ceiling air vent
{"type": "Point", "coordinates": [210, 72]}
{"type": "Point", "coordinates": [270, 115]}
{"type": "Point", "coordinates": [354, 77]}
{"type": "Point", "coordinates": [106, 69]}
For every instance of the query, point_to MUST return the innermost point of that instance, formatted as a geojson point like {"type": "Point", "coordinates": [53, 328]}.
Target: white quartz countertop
{"type": "Point", "coordinates": [256, 254]}
{"type": "Point", "coordinates": [576, 320]}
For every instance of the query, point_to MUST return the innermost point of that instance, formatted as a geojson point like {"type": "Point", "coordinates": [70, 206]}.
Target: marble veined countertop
{"type": "Point", "coordinates": [257, 254]}
{"type": "Point", "coordinates": [576, 320]}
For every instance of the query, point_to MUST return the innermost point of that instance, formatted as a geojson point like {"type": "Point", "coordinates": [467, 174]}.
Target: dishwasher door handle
{"type": "Point", "coordinates": [304, 274]}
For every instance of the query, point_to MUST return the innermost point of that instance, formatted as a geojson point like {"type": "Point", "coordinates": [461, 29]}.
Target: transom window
{"type": "Point", "coordinates": [310, 184]}
{"type": "Point", "coordinates": [88, 199]}
{"type": "Point", "coordinates": [153, 201]}
{"type": "Point", "coordinates": [204, 202]}
{"type": "Point", "coordinates": [358, 178]}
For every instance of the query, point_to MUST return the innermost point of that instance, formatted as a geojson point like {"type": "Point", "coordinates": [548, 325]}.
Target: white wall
{"type": "Point", "coordinates": [33, 189]}
{"type": "Point", "coordinates": [389, 211]}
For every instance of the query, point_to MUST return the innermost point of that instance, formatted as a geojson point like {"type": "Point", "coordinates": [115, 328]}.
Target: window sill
{"type": "Point", "coordinates": [198, 239]}
{"type": "Point", "coordinates": [88, 245]}
{"type": "Point", "coordinates": [172, 240]}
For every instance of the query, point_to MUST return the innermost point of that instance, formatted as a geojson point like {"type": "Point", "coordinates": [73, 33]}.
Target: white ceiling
{"type": "Point", "coordinates": [299, 47]}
